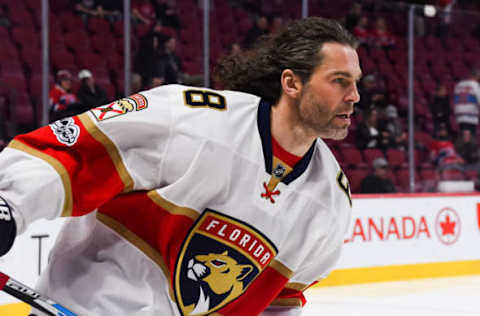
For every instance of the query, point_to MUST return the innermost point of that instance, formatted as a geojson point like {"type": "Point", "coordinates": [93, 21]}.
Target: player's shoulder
{"type": "Point", "coordinates": [199, 97]}
{"type": "Point", "coordinates": [328, 173]}
{"type": "Point", "coordinates": [203, 111]}
{"type": "Point", "coordinates": [324, 155]}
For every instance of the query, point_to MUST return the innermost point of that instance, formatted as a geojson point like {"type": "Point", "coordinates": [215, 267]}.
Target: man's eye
{"type": "Point", "coordinates": [218, 263]}
{"type": "Point", "coordinates": [340, 80]}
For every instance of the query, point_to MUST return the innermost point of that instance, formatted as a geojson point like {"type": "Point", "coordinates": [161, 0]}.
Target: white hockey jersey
{"type": "Point", "coordinates": [177, 207]}
{"type": "Point", "coordinates": [467, 102]}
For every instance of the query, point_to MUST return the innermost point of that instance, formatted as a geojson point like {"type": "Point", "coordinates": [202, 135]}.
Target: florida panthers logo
{"type": "Point", "coordinates": [219, 260]}
{"type": "Point", "coordinates": [218, 276]}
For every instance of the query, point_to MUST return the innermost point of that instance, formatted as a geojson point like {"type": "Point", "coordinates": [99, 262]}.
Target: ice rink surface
{"type": "Point", "coordinates": [459, 296]}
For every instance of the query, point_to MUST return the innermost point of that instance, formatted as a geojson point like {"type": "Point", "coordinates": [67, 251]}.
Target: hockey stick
{"type": "Point", "coordinates": [31, 297]}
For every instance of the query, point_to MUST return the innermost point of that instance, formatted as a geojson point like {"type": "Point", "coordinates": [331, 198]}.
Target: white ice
{"type": "Point", "coordinates": [459, 296]}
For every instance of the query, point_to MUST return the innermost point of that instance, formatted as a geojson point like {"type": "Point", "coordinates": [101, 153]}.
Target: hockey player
{"type": "Point", "coordinates": [193, 201]}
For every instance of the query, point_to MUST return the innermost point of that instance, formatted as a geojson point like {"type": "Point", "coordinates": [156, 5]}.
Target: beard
{"type": "Point", "coordinates": [314, 115]}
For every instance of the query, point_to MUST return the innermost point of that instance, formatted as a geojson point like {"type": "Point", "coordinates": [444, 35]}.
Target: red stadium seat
{"type": "Point", "coordinates": [33, 60]}
{"type": "Point", "coordinates": [20, 16]}
{"type": "Point", "coordinates": [23, 108]}
{"type": "Point", "coordinates": [370, 154]}
{"type": "Point", "coordinates": [355, 177]}
{"type": "Point", "coordinates": [337, 155]}
{"type": "Point", "coordinates": [351, 156]}
{"type": "Point", "coordinates": [403, 179]}
{"type": "Point", "coordinates": [78, 41]}
{"type": "Point", "coordinates": [16, 81]}
{"type": "Point", "coordinates": [62, 59]}
{"type": "Point", "coordinates": [103, 45]}
{"type": "Point", "coordinates": [396, 157]}
{"type": "Point", "coordinates": [26, 38]}
{"type": "Point", "coordinates": [33, 5]}
{"type": "Point", "coordinates": [99, 26]}
{"type": "Point", "coordinates": [90, 60]}
{"type": "Point", "coordinates": [71, 22]}
{"type": "Point", "coordinates": [192, 68]}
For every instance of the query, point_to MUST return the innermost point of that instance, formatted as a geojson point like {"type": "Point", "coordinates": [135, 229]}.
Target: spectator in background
{"type": "Point", "coordinates": [445, 14]}
{"type": "Point", "coordinates": [381, 36]}
{"type": "Point", "coordinates": [235, 49]}
{"type": "Point", "coordinates": [143, 12]}
{"type": "Point", "coordinates": [442, 151]}
{"type": "Point", "coordinates": [148, 61]}
{"type": "Point", "coordinates": [90, 94]}
{"type": "Point", "coordinates": [155, 81]}
{"type": "Point", "coordinates": [166, 11]}
{"type": "Point", "coordinates": [361, 31]}
{"type": "Point", "coordinates": [371, 94]}
{"type": "Point", "coordinates": [86, 9]}
{"type": "Point", "coordinates": [440, 107]}
{"type": "Point", "coordinates": [136, 83]}
{"type": "Point", "coordinates": [378, 182]}
{"type": "Point", "coordinates": [367, 131]}
{"type": "Point", "coordinates": [276, 25]}
{"type": "Point", "coordinates": [353, 16]}
{"type": "Point", "coordinates": [110, 9]}
{"type": "Point", "coordinates": [259, 28]}
{"type": "Point", "coordinates": [62, 100]}
{"type": "Point", "coordinates": [392, 134]}
{"type": "Point", "coordinates": [467, 148]}
{"type": "Point", "coordinates": [171, 63]}
{"type": "Point", "coordinates": [467, 102]}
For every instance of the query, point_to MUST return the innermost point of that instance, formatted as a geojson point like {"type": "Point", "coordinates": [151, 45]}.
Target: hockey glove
{"type": "Point", "coordinates": [8, 228]}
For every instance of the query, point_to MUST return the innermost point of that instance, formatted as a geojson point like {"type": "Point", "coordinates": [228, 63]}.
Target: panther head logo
{"type": "Point", "coordinates": [126, 105]}
{"type": "Point", "coordinates": [220, 279]}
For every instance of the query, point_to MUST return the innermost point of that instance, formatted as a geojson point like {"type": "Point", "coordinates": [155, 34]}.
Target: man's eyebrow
{"type": "Point", "coordinates": [345, 74]}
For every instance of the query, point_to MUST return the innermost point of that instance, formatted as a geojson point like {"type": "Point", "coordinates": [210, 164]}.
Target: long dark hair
{"type": "Point", "coordinates": [296, 47]}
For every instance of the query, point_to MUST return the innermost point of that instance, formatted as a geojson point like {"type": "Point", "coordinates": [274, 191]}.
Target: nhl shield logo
{"type": "Point", "coordinates": [219, 259]}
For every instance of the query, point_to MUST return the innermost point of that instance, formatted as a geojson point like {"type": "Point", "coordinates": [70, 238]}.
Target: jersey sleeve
{"type": "Point", "coordinates": [76, 164]}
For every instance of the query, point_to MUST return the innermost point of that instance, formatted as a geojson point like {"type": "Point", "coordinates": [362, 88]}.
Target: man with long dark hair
{"type": "Point", "coordinates": [193, 201]}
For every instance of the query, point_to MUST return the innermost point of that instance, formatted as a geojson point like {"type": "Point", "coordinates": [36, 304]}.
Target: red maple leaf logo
{"type": "Point", "coordinates": [447, 226]}
{"type": "Point", "coordinates": [478, 214]}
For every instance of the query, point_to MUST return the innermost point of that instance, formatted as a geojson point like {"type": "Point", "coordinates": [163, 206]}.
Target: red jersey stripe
{"type": "Point", "coordinates": [161, 229]}
{"type": "Point", "coordinates": [84, 163]}
{"type": "Point", "coordinates": [261, 292]}
{"type": "Point", "coordinates": [110, 147]}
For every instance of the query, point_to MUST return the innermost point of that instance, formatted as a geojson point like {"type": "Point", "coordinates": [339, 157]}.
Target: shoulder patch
{"type": "Point", "coordinates": [66, 131]}
{"type": "Point", "coordinates": [135, 102]}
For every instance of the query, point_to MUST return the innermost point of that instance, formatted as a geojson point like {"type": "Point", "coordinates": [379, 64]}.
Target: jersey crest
{"type": "Point", "coordinates": [219, 259]}
{"type": "Point", "coordinates": [123, 106]}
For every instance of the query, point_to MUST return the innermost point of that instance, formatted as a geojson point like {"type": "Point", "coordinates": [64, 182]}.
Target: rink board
{"type": "Point", "coordinates": [391, 237]}
{"type": "Point", "coordinates": [409, 236]}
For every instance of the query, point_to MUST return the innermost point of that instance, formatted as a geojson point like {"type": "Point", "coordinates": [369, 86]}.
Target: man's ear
{"type": "Point", "coordinates": [291, 84]}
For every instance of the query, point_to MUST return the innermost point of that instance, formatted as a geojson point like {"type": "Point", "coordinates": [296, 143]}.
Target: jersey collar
{"type": "Point", "coordinates": [263, 122]}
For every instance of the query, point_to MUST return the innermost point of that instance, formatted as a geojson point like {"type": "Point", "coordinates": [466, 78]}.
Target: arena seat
{"type": "Point", "coordinates": [396, 157]}
{"type": "Point", "coordinates": [352, 157]}
{"type": "Point", "coordinates": [355, 177]}
{"type": "Point", "coordinates": [370, 154]}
